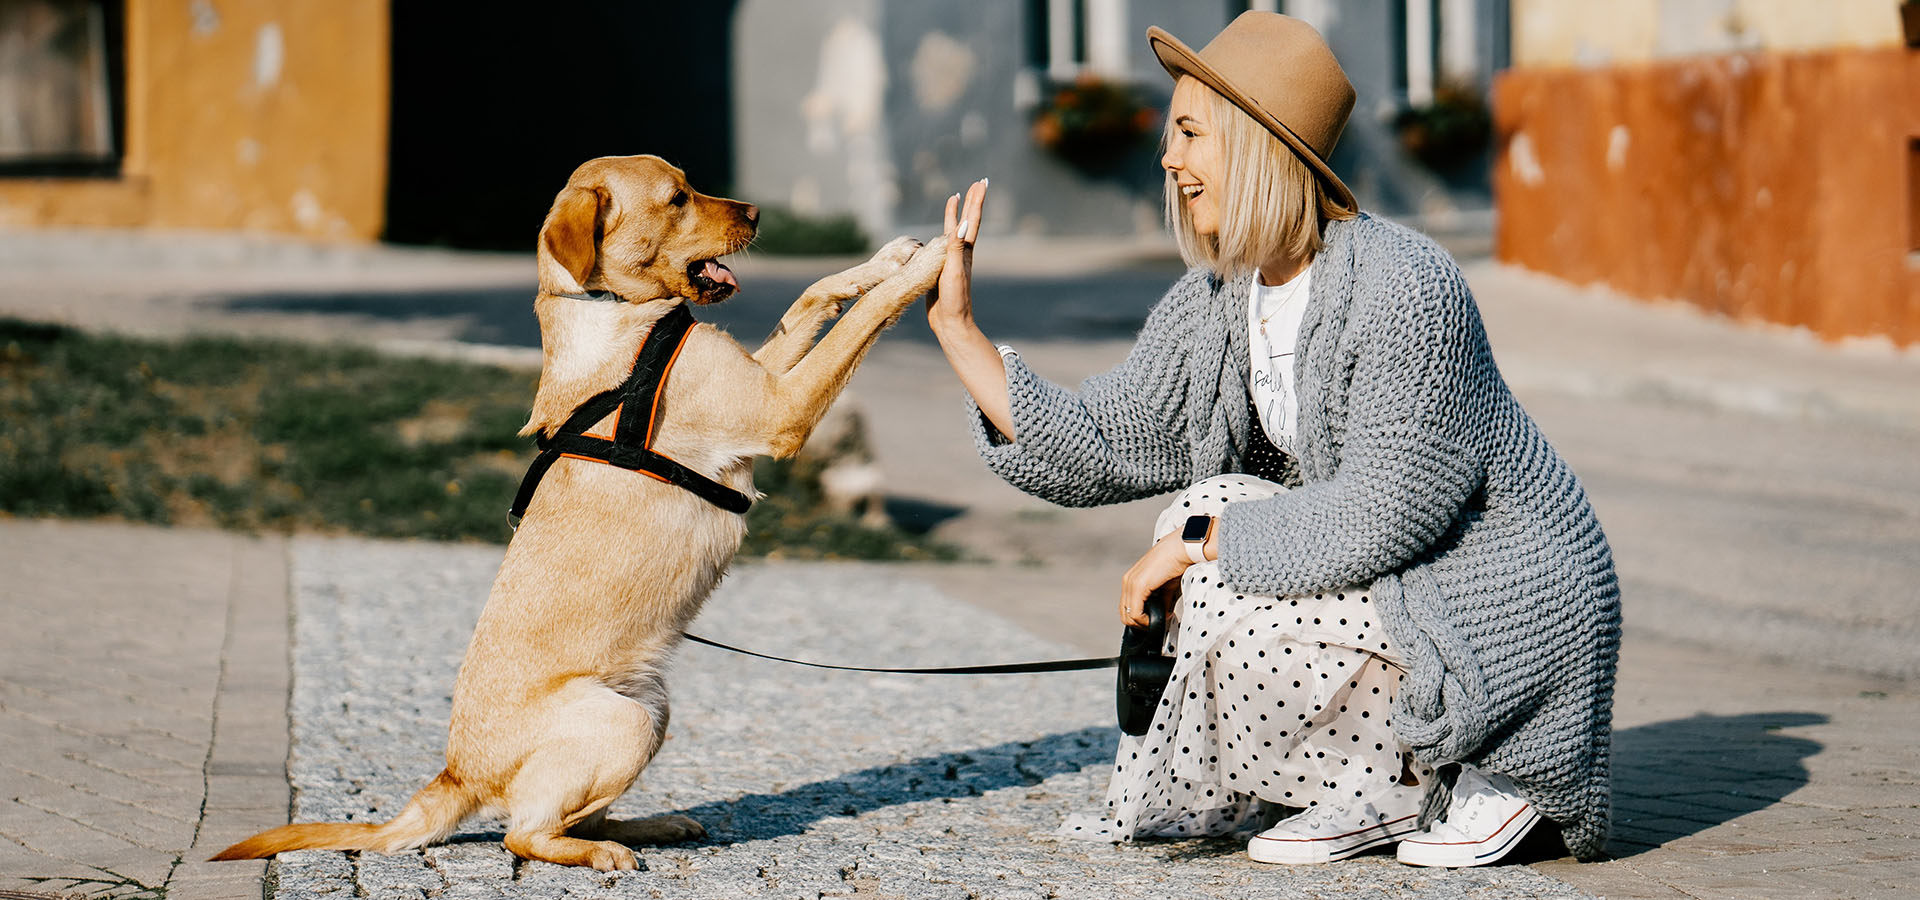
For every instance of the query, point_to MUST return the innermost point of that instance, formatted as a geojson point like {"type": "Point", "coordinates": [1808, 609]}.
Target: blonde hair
{"type": "Point", "coordinates": [1270, 201]}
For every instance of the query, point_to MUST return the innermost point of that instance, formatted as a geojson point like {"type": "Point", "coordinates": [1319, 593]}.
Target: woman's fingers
{"type": "Point", "coordinates": [1158, 569]}
{"type": "Point", "coordinates": [976, 199]}
{"type": "Point", "coordinates": [953, 212]}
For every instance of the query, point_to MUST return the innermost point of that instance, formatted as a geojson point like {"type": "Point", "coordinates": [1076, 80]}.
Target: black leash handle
{"type": "Point", "coordinates": [1051, 665]}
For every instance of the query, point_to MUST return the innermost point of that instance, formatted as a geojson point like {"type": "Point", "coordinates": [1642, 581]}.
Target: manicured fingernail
{"type": "Point", "coordinates": [985, 181]}
{"type": "Point", "coordinates": [961, 232]}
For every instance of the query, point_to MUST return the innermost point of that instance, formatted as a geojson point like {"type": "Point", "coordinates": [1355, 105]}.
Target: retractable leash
{"type": "Point", "coordinates": [1143, 672]}
{"type": "Point", "coordinates": [1142, 677]}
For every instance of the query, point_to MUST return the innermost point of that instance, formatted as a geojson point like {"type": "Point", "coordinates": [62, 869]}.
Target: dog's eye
{"type": "Point", "coordinates": [679, 198]}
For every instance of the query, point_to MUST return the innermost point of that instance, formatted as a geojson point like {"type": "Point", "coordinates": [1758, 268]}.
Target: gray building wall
{"type": "Point", "coordinates": [883, 108]}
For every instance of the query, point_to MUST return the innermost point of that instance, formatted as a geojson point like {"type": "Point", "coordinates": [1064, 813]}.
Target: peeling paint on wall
{"type": "Point", "coordinates": [269, 56]}
{"type": "Point", "coordinates": [843, 115]}
{"type": "Point", "coordinates": [848, 88]}
{"type": "Point", "coordinates": [942, 68]}
{"type": "Point", "coordinates": [206, 19]}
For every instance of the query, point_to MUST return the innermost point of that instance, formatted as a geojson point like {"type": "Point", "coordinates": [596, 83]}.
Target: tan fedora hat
{"type": "Point", "coordinates": [1283, 74]}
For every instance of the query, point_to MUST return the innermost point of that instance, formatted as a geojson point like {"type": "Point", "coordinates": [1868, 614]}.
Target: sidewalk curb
{"type": "Point", "coordinates": [246, 770]}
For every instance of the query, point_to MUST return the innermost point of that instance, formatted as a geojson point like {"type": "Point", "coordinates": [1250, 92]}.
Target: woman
{"type": "Point", "coordinates": [1395, 609]}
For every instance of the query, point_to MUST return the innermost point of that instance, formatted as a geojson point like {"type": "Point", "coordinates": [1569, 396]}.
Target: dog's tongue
{"type": "Point", "coordinates": [719, 274]}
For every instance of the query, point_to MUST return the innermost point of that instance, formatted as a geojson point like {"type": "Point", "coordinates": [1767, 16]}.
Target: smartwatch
{"type": "Point", "coordinates": [1194, 535]}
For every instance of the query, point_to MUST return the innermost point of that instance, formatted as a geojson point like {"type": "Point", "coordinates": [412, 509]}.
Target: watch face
{"type": "Point", "coordinates": [1196, 529]}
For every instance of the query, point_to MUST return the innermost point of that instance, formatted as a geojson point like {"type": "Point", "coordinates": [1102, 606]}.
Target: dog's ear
{"type": "Point", "coordinates": [570, 240]}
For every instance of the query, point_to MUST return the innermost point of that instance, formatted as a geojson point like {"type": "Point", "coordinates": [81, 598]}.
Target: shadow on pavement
{"type": "Point", "coordinates": [948, 776]}
{"type": "Point", "coordinates": [1677, 778]}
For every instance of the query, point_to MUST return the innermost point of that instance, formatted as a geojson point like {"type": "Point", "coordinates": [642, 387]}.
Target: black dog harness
{"type": "Point", "coordinates": [634, 405]}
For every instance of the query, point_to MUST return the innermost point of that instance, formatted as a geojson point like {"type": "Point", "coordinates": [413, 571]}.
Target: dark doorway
{"type": "Point", "coordinates": [494, 104]}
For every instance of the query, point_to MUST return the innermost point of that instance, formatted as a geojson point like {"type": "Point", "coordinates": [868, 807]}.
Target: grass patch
{"type": "Point", "coordinates": [260, 435]}
{"type": "Point", "coordinates": [785, 232]}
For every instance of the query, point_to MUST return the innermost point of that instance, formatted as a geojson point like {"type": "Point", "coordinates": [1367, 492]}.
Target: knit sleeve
{"type": "Point", "coordinates": [1407, 466]}
{"type": "Point", "coordinates": [1119, 438]}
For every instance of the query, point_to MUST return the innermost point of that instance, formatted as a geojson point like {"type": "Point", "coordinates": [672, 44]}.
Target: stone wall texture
{"type": "Point", "coordinates": [261, 115]}
{"type": "Point", "coordinates": [1765, 186]}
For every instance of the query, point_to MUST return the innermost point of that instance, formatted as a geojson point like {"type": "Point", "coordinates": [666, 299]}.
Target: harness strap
{"type": "Point", "coordinates": [634, 404]}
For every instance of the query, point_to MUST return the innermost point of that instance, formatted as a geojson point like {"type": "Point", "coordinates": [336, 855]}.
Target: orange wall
{"type": "Point", "coordinates": [259, 115]}
{"type": "Point", "coordinates": [1765, 186]}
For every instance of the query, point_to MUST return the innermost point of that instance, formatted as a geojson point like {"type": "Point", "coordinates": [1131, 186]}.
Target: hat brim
{"type": "Point", "coordinates": [1179, 59]}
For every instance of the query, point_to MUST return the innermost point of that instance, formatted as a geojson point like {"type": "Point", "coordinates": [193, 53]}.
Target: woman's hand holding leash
{"type": "Point", "coordinates": [1155, 577]}
{"type": "Point", "coordinates": [950, 314]}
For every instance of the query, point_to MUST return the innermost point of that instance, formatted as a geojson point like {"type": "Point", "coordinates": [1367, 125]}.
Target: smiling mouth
{"type": "Point", "coordinates": [1191, 191]}
{"type": "Point", "coordinates": [712, 279]}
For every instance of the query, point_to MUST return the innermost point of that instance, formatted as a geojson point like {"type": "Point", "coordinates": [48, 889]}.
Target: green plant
{"type": "Point", "coordinates": [785, 232]}
{"type": "Point", "coordinates": [1448, 133]}
{"type": "Point", "coordinates": [1091, 123]}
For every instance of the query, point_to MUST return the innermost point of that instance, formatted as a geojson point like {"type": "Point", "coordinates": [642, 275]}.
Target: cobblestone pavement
{"type": "Point", "coordinates": [811, 783]}
{"type": "Point", "coordinates": [142, 687]}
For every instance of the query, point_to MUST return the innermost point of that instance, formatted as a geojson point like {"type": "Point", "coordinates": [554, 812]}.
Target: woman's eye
{"type": "Point", "coordinates": [1185, 133]}
{"type": "Point", "coordinates": [679, 198]}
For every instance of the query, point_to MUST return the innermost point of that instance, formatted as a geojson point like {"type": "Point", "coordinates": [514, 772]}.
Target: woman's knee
{"type": "Point", "coordinates": [1209, 496]}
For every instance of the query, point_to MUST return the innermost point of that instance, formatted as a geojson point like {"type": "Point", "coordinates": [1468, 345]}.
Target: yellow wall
{"type": "Point", "coordinates": [1587, 33]}
{"type": "Point", "coordinates": [259, 115]}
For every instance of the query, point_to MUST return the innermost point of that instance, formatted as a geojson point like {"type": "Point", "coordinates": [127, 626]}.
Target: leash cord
{"type": "Point", "coordinates": [1051, 665]}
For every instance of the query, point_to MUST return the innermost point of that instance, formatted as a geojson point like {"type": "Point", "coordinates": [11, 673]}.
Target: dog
{"type": "Point", "coordinates": [560, 702]}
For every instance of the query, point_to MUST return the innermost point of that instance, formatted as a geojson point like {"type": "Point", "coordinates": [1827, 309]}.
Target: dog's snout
{"type": "Point", "coordinates": [752, 213]}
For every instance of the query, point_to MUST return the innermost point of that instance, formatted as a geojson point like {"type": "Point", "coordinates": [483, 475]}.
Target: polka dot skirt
{"type": "Point", "coordinates": [1282, 699]}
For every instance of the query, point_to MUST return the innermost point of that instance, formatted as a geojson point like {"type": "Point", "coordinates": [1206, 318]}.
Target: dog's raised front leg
{"type": "Point", "coordinates": [824, 300]}
{"type": "Point", "coordinates": [800, 397]}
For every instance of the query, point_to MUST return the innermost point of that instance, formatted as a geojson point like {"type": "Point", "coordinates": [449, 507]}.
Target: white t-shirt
{"type": "Point", "coordinates": [1274, 313]}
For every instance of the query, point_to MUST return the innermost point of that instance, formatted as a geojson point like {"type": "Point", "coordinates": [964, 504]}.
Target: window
{"type": "Point", "coordinates": [61, 71]}
{"type": "Point", "coordinates": [1913, 195]}
{"type": "Point", "coordinates": [1066, 38]}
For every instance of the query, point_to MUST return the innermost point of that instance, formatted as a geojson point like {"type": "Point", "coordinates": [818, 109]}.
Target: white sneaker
{"type": "Point", "coordinates": [1485, 821]}
{"type": "Point", "coordinates": [1328, 832]}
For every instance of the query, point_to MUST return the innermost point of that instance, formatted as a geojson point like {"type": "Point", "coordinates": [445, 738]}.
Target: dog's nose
{"type": "Point", "coordinates": [753, 214]}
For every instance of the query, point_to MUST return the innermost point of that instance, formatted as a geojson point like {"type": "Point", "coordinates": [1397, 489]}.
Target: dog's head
{"type": "Point", "coordinates": [632, 225]}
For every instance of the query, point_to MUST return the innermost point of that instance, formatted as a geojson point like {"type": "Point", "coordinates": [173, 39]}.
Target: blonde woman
{"type": "Point", "coordinates": [1395, 613]}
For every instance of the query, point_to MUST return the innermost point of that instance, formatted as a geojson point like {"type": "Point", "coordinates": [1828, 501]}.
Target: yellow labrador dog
{"type": "Point", "coordinates": [560, 702]}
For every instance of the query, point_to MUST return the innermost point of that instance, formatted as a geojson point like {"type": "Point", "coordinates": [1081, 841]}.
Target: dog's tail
{"type": "Point", "coordinates": [430, 816]}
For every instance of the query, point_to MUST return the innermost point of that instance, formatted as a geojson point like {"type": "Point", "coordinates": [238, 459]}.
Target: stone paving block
{"type": "Point", "coordinates": [1893, 873]}
{"type": "Point", "coordinates": [63, 839]}
{"type": "Point", "coordinates": [1612, 880]}
{"type": "Point", "coordinates": [144, 827]}
{"type": "Point", "coordinates": [1898, 821]}
{"type": "Point", "coordinates": [1779, 885]}
{"type": "Point", "coordinates": [200, 880]}
{"type": "Point", "coordinates": [1851, 795]}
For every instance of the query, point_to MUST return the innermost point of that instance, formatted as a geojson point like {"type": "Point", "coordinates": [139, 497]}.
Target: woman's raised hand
{"type": "Point", "coordinates": [952, 304]}
{"type": "Point", "coordinates": [950, 313]}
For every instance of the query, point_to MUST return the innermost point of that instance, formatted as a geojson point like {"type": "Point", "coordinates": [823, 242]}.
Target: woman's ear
{"type": "Point", "coordinates": [570, 240]}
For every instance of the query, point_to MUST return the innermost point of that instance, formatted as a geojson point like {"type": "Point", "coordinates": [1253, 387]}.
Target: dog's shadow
{"type": "Point", "coordinates": [947, 776]}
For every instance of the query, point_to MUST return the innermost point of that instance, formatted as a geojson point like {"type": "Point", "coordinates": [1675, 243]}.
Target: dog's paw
{"type": "Point", "coordinates": [897, 251]}
{"type": "Point", "coordinates": [608, 856]}
{"type": "Point", "coordinates": [924, 268]}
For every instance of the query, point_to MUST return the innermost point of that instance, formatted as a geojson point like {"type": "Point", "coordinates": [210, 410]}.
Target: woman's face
{"type": "Point", "coordinates": [1192, 155]}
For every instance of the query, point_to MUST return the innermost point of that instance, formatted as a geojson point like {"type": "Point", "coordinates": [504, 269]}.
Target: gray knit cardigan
{"type": "Point", "coordinates": [1420, 473]}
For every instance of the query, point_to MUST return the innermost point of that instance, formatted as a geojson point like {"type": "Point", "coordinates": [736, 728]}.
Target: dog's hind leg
{"type": "Point", "coordinates": [596, 742]}
{"type": "Point", "coordinates": [824, 300]}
